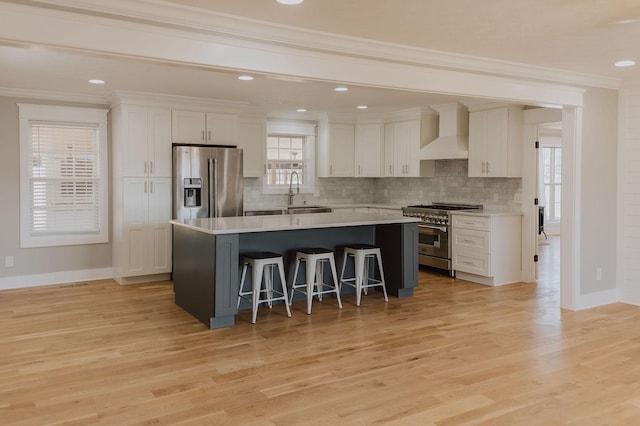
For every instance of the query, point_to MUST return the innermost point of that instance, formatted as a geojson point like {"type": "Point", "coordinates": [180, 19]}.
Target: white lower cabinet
{"type": "Point", "coordinates": [487, 248]}
{"type": "Point", "coordinates": [145, 248]}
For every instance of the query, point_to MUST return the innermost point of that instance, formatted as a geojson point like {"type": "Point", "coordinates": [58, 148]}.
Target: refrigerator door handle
{"type": "Point", "coordinates": [213, 205]}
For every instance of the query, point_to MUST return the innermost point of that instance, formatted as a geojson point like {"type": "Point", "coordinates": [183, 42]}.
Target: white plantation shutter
{"type": "Point", "coordinates": [65, 172]}
{"type": "Point", "coordinates": [63, 176]}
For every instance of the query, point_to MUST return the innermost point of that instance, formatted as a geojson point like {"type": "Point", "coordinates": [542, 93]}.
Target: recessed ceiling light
{"type": "Point", "coordinates": [301, 110]}
{"type": "Point", "coordinates": [245, 78]}
{"type": "Point", "coordinates": [362, 107]}
{"type": "Point", "coordinates": [96, 81]}
{"type": "Point", "coordinates": [625, 63]}
{"type": "Point", "coordinates": [341, 89]}
{"type": "Point", "coordinates": [289, 1]}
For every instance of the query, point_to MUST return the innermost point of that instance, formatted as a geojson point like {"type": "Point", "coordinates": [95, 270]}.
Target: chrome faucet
{"type": "Point", "coordinates": [291, 193]}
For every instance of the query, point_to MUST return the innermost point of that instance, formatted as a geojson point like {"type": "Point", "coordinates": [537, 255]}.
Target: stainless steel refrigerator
{"type": "Point", "coordinates": [207, 182]}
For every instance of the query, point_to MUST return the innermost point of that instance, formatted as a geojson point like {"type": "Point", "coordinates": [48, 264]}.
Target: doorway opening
{"type": "Point", "coordinates": [549, 184]}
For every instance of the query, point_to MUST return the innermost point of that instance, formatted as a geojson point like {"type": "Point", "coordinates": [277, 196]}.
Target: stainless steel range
{"type": "Point", "coordinates": [434, 248]}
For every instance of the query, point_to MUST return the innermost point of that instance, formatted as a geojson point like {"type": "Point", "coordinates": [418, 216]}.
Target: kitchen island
{"type": "Point", "coordinates": [207, 252]}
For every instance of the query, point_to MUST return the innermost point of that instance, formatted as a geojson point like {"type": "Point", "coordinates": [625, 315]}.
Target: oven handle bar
{"type": "Point", "coordinates": [439, 228]}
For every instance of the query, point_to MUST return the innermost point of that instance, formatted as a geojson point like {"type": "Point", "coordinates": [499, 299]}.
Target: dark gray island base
{"type": "Point", "coordinates": [206, 265]}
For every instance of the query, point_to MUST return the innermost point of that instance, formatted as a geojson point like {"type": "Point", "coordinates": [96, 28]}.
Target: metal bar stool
{"type": "Point", "coordinates": [314, 285]}
{"type": "Point", "coordinates": [262, 265]}
{"type": "Point", "coordinates": [362, 255]}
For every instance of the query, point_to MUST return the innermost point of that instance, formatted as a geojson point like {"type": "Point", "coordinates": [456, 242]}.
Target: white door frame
{"type": "Point", "coordinates": [571, 118]}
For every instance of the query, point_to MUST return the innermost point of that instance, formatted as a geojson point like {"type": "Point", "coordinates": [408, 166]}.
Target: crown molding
{"type": "Point", "coordinates": [178, 17]}
{"type": "Point", "coordinates": [52, 96]}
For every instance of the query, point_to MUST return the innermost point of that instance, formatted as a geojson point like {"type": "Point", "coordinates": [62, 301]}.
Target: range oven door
{"type": "Point", "coordinates": [433, 246]}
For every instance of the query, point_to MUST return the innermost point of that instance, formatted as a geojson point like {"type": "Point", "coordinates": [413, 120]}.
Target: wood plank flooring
{"type": "Point", "coordinates": [456, 353]}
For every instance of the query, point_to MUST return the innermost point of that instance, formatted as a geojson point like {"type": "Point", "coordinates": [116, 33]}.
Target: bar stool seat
{"type": "Point", "coordinates": [314, 285]}
{"type": "Point", "coordinates": [262, 265]}
{"type": "Point", "coordinates": [362, 254]}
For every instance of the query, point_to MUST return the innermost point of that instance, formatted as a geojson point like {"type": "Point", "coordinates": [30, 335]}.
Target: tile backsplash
{"type": "Point", "coordinates": [450, 184]}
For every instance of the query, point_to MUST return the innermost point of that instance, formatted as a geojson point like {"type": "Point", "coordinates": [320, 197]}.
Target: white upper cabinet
{"type": "Point", "coordinates": [368, 149]}
{"type": "Point", "coordinates": [146, 147]}
{"type": "Point", "coordinates": [402, 142]}
{"type": "Point", "coordinates": [252, 139]}
{"type": "Point", "coordinates": [336, 150]}
{"type": "Point", "coordinates": [203, 128]}
{"type": "Point", "coordinates": [495, 142]}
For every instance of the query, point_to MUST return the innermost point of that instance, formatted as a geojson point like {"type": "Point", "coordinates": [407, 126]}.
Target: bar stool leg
{"type": "Point", "coordinates": [335, 281]}
{"type": "Point", "coordinates": [384, 286]}
{"type": "Point", "coordinates": [311, 266]}
{"type": "Point", "coordinates": [284, 286]}
{"type": "Point", "coordinates": [344, 265]}
{"type": "Point", "coordinates": [319, 278]}
{"type": "Point", "coordinates": [359, 268]}
{"type": "Point", "coordinates": [257, 285]}
{"type": "Point", "coordinates": [241, 292]}
{"type": "Point", "coordinates": [293, 284]}
{"type": "Point", "coordinates": [268, 279]}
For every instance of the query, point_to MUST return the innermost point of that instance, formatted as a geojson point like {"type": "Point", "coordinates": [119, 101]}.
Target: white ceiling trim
{"type": "Point", "coordinates": [52, 96]}
{"type": "Point", "coordinates": [100, 35]}
{"type": "Point", "coordinates": [170, 15]}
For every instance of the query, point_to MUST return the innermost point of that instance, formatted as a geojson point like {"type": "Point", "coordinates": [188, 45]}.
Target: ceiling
{"type": "Point", "coordinates": [582, 36]}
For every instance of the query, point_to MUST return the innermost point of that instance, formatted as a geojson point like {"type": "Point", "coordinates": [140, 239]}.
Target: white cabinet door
{"type": "Point", "coordinates": [188, 127]}
{"type": "Point", "coordinates": [147, 142]}
{"type": "Point", "coordinates": [203, 128]}
{"type": "Point", "coordinates": [221, 129]}
{"type": "Point", "coordinates": [389, 144]}
{"type": "Point", "coordinates": [158, 227]}
{"type": "Point", "coordinates": [401, 149]}
{"type": "Point", "coordinates": [495, 143]}
{"type": "Point", "coordinates": [368, 149]}
{"type": "Point", "coordinates": [341, 150]}
{"type": "Point", "coordinates": [252, 138]}
{"type": "Point", "coordinates": [135, 148]}
{"type": "Point", "coordinates": [147, 232]}
{"type": "Point", "coordinates": [160, 143]}
{"type": "Point", "coordinates": [477, 143]}
{"type": "Point", "coordinates": [411, 148]}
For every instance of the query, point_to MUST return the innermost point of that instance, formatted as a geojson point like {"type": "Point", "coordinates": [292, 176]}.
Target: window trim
{"type": "Point", "coordinates": [290, 128]}
{"type": "Point", "coordinates": [55, 113]}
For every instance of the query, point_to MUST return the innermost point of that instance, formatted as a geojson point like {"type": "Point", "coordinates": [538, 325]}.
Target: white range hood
{"type": "Point", "coordinates": [453, 134]}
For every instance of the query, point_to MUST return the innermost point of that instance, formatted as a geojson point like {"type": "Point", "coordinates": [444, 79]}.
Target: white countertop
{"type": "Point", "coordinates": [486, 213]}
{"type": "Point", "coordinates": [331, 205]}
{"type": "Point", "coordinates": [245, 224]}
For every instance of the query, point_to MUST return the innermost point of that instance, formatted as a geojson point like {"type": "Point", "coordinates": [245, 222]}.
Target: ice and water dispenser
{"type": "Point", "coordinates": [192, 192]}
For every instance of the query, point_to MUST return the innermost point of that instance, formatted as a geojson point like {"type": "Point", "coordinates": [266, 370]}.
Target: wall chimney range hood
{"type": "Point", "coordinates": [453, 138]}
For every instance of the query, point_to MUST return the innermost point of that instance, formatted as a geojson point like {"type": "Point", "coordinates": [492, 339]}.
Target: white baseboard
{"type": "Point", "coordinates": [24, 281]}
{"type": "Point", "coordinates": [599, 298]}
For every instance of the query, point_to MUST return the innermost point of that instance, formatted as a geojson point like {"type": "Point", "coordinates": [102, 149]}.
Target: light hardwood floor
{"type": "Point", "coordinates": [456, 353]}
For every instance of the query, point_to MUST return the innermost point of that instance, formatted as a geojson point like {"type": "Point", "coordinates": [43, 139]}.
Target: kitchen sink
{"type": "Point", "coordinates": [307, 209]}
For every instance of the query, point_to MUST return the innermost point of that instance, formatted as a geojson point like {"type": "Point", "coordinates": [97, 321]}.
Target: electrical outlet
{"type": "Point", "coordinates": [8, 261]}
{"type": "Point", "coordinates": [598, 274]}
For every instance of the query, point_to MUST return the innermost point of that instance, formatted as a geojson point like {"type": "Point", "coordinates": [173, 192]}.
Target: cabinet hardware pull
{"type": "Point", "coordinates": [151, 167]}
{"type": "Point", "coordinates": [468, 241]}
{"type": "Point", "coordinates": [359, 170]}
{"type": "Point", "coordinates": [209, 134]}
{"type": "Point", "coordinates": [390, 172]}
{"type": "Point", "coordinates": [145, 187]}
{"type": "Point", "coordinates": [203, 135]}
{"type": "Point", "coordinates": [145, 167]}
{"type": "Point", "coordinates": [150, 187]}
{"type": "Point", "coordinates": [487, 167]}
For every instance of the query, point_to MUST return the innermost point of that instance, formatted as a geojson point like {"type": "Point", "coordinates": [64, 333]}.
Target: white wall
{"type": "Point", "coordinates": [598, 196]}
{"type": "Point", "coordinates": [629, 195]}
{"type": "Point", "coordinates": [35, 266]}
